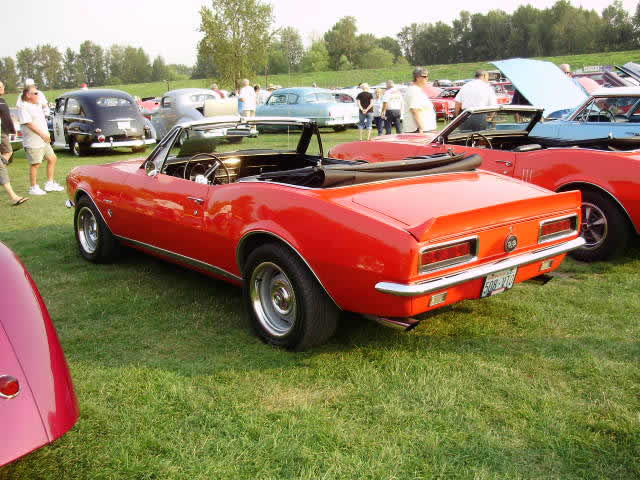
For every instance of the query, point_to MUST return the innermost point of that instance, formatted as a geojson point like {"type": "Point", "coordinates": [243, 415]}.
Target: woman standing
{"type": "Point", "coordinates": [377, 110]}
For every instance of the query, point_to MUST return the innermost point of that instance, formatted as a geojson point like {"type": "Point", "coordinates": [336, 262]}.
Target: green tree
{"type": "Point", "coordinates": [364, 43]}
{"type": "Point", "coordinates": [8, 74]}
{"type": "Point", "coordinates": [391, 45]}
{"type": "Point", "coordinates": [48, 66]}
{"type": "Point", "coordinates": [205, 66]}
{"type": "Point", "coordinates": [376, 58]}
{"type": "Point", "coordinates": [114, 61]}
{"type": "Point", "coordinates": [341, 41]}
{"type": "Point", "coordinates": [91, 63]}
{"type": "Point", "coordinates": [277, 61]}
{"type": "Point", "coordinates": [159, 70]}
{"type": "Point", "coordinates": [26, 63]}
{"type": "Point", "coordinates": [292, 47]}
{"type": "Point", "coordinates": [316, 58]}
{"type": "Point", "coordinates": [136, 68]}
{"type": "Point", "coordinates": [70, 69]}
{"type": "Point", "coordinates": [344, 63]}
{"type": "Point", "coordinates": [408, 39]}
{"type": "Point", "coordinates": [618, 30]}
{"type": "Point", "coordinates": [237, 34]}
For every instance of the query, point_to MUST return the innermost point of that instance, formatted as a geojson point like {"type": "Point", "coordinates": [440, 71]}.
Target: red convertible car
{"type": "Point", "coordinates": [37, 401]}
{"type": "Point", "coordinates": [256, 202]}
{"type": "Point", "coordinates": [606, 170]}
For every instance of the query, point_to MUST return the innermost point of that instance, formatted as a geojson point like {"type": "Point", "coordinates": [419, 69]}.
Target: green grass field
{"type": "Point", "coordinates": [540, 382]}
{"type": "Point", "coordinates": [332, 79]}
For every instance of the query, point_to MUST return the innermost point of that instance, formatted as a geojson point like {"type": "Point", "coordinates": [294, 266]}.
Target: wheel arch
{"type": "Point", "coordinates": [80, 194]}
{"type": "Point", "coordinates": [598, 189]}
{"type": "Point", "coordinates": [255, 238]}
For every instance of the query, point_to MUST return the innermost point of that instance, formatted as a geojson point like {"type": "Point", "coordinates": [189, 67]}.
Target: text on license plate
{"type": "Point", "coordinates": [123, 125]}
{"type": "Point", "coordinates": [498, 282]}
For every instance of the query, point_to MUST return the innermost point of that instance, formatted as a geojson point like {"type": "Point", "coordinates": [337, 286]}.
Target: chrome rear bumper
{"type": "Point", "coordinates": [415, 289]}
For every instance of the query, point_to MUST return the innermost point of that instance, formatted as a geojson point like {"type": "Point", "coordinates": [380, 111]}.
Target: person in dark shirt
{"type": "Point", "coordinates": [365, 108]}
{"type": "Point", "coordinates": [6, 129]}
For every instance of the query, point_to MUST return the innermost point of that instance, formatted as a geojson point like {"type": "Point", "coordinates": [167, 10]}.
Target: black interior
{"type": "Point", "coordinates": [307, 170]}
{"type": "Point", "coordinates": [524, 143]}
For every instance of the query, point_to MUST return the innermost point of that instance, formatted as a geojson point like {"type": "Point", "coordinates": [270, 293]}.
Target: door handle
{"type": "Point", "coordinates": [197, 200]}
{"type": "Point", "coordinates": [507, 163]}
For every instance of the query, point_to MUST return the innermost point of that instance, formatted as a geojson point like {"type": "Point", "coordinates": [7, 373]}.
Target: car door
{"type": "Point", "coordinates": [276, 106]}
{"type": "Point", "coordinates": [162, 119]}
{"type": "Point", "coordinates": [164, 211]}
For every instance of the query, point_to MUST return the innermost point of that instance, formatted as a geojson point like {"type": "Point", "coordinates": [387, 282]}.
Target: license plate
{"type": "Point", "coordinates": [498, 282]}
{"type": "Point", "coordinates": [124, 125]}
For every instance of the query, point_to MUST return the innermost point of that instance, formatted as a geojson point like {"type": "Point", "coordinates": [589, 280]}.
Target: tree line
{"type": "Point", "coordinates": [91, 64]}
{"type": "Point", "coordinates": [239, 41]}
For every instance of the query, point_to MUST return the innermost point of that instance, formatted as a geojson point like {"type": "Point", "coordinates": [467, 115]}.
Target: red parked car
{"type": "Point", "coordinates": [37, 401]}
{"type": "Point", "coordinates": [605, 169]}
{"type": "Point", "coordinates": [308, 236]}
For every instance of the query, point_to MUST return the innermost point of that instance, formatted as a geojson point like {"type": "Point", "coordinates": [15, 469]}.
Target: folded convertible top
{"type": "Point", "coordinates": [327, 176]}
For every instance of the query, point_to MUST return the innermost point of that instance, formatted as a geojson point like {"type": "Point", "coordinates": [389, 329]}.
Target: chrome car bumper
{"type": "Point", "coordinates": [126, 143]}
{"type": "Point", "coordinates": [422, 288]}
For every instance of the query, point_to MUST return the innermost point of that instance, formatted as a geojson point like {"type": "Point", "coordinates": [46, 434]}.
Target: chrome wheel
{"type": "Point", "coordinates": [273, 299]}
{"type": "Point", "coordinates": [87, 227]}
{"type": "Point", "coordinates": [594, 226]}
{"type": "Point", "coordinates": [75, 149]}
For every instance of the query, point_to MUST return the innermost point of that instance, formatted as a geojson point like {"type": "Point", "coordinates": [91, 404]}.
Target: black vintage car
{"type": "Point", "coordinates": [85, 120]}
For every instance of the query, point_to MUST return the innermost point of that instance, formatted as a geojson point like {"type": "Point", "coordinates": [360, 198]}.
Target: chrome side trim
{"type": "Point", "coordinates": [415, 289]}
{"type": "Point", "coordinates": [184, 259]}
{"type": "Point", "coordinates": [254, 232]}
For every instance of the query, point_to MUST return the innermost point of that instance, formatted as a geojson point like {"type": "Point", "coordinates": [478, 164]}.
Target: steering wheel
{"type": "Point", "coordinates": [469, 141]}
{"type": "Point", "coordinates": [207, 174]}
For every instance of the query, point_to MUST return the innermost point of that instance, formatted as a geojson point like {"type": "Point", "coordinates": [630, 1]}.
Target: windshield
{"type": "Point", "coordinates": [610, 109]}
{"type": "Point", "coordinates": [494, 121]}
{"type": "Point", "coordinates": [225, 139]}
{"type": "Point", "coordinates": [113, 102]}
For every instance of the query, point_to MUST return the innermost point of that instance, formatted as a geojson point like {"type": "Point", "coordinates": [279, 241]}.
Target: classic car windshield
{"type": "Point", "coordinates": [494, 121]}
{"type": "Point", "coordinates": [610, 109]}
{"type": "Point", "coordinates": [113, 102]}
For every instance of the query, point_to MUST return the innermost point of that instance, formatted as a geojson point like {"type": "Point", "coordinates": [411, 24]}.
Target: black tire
{"type": "Point", "coordinates": [78, 149]}
{"type": "Point", "coordinates": [604, 227]}
{"type": "Point", "coordinates": [339, 128]}
{"type": "Point", "coordinates": [95, 241]}
{"type": "Point", "coordinates": [139, 149]}
{"type": "Point", "coordinates": [287, 306]}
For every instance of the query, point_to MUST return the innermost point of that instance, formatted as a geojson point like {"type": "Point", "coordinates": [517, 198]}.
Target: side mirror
{"type": "Point", "coordinates": [150, 169]}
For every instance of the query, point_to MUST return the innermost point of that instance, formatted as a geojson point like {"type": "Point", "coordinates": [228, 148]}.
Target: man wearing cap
{"type": "Point", "coordinates": [42, 100]}
{"type": "Point", "coordinates": [392, 108]}
{"type": "Point", "coordinates": [419, 115]}
{"type": "Point", "coordinates": [37, 143]}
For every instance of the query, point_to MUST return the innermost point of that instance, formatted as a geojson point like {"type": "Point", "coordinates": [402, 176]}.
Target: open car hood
{"type": "Point", "coordinates": [542, 83]}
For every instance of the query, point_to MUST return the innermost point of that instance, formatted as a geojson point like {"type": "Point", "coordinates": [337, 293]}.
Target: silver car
{"type": "Point", "coordinates": [185, 105]}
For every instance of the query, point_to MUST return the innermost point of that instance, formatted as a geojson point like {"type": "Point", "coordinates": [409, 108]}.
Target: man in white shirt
{"type": "Point", "coordinates": [476, 93]}
{"type": "Point", "coordinates": [247, 96]}
{"type": "Point", "coordinates": [36, 141]}
{"type": "Point", "coordinates": [42, 100]}
{"type": "Point", "coordinates": [392, 108]}
{"type": "Point", "coordinates": [419, 115]}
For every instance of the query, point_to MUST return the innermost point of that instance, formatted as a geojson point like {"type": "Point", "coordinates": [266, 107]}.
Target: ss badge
{"type": "Point", "coordinates": [510, 243]}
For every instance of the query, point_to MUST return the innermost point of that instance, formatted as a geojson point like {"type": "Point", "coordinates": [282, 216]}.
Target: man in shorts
{"type": "Point", "coordinates": [36, 141]}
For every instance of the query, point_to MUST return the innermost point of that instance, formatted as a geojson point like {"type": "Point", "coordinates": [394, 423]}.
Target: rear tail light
{"type": "Point", "coordinates": [557, 228]}
{"type": "Point", "coordinates": [101, 138]}
{"type": "Point", "coordinates": [9, 386]}
{"type": "Point", "coordinates": [448, 254]}
{"type": "Point", "coordinates": [20, 133]}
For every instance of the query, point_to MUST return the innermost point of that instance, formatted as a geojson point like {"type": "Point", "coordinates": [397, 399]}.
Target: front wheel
{"type": "Point", "coordinates": [95, 241]}
{"type": "Point", "coordinates": [604, 228]}
{"type": "Point", "coordinates": [287, 306]}
{"type": "Point", "coordinates": [339, 128]}
{"type": "Point", "coordinates": [139, 149]}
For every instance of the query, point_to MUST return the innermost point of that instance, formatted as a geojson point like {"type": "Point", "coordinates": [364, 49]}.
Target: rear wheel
{"type": "Point", "coordinates": [339, 128]}
{"type": "Point", "coordinates": [78, 149]}
{"type": "Point", "coordinates": [139, 149]}
{"type": "Point", "coordinates": [287, 306]}
{"type": "Point", "coordinates": [604, 228]}
{"type": "Point", "coordinates": [95, 240]}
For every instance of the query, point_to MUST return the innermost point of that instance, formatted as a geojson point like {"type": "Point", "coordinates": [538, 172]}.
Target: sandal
{"type": "Point", "coordinates": [20, 201]}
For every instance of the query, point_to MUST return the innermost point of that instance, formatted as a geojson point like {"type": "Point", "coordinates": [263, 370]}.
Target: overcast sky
{"type": "Point", "coordinates": [170, 29]}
